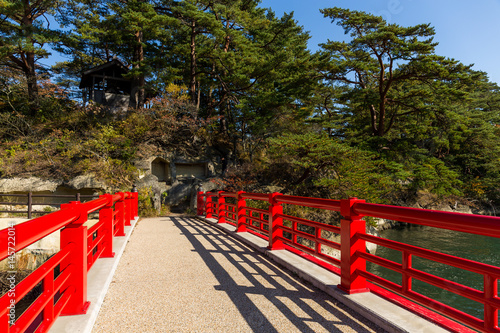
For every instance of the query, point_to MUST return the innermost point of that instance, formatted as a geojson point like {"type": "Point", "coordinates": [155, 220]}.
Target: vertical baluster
{"type": "Point", "coordinates": [215, 203]}
{"type": "Point", "coordinates": [48, 288]}
{"type": "Point", "coordinates": [490, 311]}
{"type": "Point", "coordinates": [407, 262]}
{"type": "Point", "coordinates": [294, 235]}
{"type": "Point", "coordinates": [318, 236]}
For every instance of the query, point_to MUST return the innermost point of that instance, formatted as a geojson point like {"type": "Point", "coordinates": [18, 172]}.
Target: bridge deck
{"type": "Point", "coordinates": [179, 274]}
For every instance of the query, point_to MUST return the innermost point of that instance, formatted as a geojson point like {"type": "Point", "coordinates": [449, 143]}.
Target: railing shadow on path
{"type": "Point", "coordinates": [305, 306]}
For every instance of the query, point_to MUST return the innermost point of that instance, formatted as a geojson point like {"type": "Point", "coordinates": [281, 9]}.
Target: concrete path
{"type": "Point", "coordinates": [180, 274]}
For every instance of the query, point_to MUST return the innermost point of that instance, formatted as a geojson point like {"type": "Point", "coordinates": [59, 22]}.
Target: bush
{"type": "Point", "coordinates": [145, 203]}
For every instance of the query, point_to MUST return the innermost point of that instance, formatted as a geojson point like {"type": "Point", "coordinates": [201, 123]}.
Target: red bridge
{"type": "Point", "coordinates": [293, 242]}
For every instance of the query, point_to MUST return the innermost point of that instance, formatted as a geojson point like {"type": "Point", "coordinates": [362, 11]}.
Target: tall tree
{"type": "Point", "coordinates": [378, 60]}
{"type": "Point", "coordinates": [241, 63]}
{"type": "Point", "coordinates": [139, 25]}
{"type": "Point", "coordinates": [104, 29]}
{"type": "Point", "coordinates": [192, 25]}
{"type": "Point", "coordinates": [24, 30]}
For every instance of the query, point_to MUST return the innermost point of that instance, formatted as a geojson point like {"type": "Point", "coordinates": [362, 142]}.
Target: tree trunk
{"type": "Point", "coordinates": [138, 94]}
{"type": "Point", "coordinates": [28, 60]}
{"type": "Point", "coordinates": [381, 120]}
{"type": "Point", "coordinates": [192, 83]}
{"type": "Point", "coordinates": [198, 97]}
{"type": "Point", "coordinates": [31, 81]}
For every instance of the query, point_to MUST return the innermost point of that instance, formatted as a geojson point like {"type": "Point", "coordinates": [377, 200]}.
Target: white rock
{"type": "Point", "coordinates": [86, 181]}
{"type": "Point", "coordinates": [32, 184]}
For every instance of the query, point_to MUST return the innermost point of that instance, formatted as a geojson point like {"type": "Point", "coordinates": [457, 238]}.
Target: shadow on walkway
{"type": "Point", "coordinates": [264, 293]}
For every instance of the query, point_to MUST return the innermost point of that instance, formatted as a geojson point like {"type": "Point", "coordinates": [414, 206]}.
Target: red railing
{"type": "Point", "coordinates": [354, 277]}
{"type": "Point", "coordinates": [63, 277]}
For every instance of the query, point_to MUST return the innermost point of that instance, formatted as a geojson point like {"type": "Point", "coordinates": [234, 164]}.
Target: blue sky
{"type": "Point", "coordinates": [465, 30]}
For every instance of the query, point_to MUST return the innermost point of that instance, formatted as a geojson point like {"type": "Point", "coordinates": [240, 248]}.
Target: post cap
{"type": "Point", "coordinates": [346, 206]}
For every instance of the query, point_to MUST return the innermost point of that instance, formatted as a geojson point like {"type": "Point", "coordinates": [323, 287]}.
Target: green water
{"type": "Point", "coordinates": [478, 248]}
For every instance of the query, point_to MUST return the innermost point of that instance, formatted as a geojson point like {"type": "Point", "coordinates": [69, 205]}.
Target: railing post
{"type": "Point", "coordinates": [120, 215]}
{"type": "Point", "coordinates": [30, 204]}
{"type": "Point", "coordinates": [106, 215]}
{"type": "Point", "coordinates": [221, 207]}
{"type": "Point", "coordinates": [75, 235]}
{"type": "Point", "coordinates": [132, 209]}
{"type": "Point", "coordinates": [200, 203]}
{"type": "Point", "coordinates": [131, 214]}
{"type": "Point", "coordinates": [351, 226]}
{"type": "Point", "coordinates": [241, 205]}
{"type": "Point", "coordinates": [209, 206]}
{"type": "Point", "coordinates": [275, 223]}
{"type": "Point", "coordinates": [128, 212]}
{"type": "Point", "coordinates": [135, 201]}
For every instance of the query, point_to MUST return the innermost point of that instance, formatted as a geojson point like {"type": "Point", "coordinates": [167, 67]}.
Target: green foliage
{"type": "Point", "coordinates": [389, 71]}
{"type": "Point", "coordinates": [48, 209]}
{"type": "Point", "coordinates": [146, 206]}
{"type": "Point", "coordinates": [87, 141]}
{"type": "Point", "coordinates": [370, 220]}
{"type": "Point", "coordinates": [430, 121]}
{"type": "Point", "coordinates": [24, 30]}
{"type": "Point", "coordinates": [313, 164]}
{"type": "Point", "coordinates": [377, 115]}
{"type": "Point", "coordinates": [145, 203]}
{"type": "Point", "coordinates": [52, 100]}
{"type": "Point", "coordinates": [432, 175]}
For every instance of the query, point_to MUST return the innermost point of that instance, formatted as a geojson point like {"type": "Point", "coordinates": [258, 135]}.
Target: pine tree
{"type": "Point", "coordinates": [129, 30]}
{"type": "Point", "coordinates": [240, 63]}
{"type": "Point", "coordinates": [379, 60]}
{"type": "Point", "coordinates": [24, 30]}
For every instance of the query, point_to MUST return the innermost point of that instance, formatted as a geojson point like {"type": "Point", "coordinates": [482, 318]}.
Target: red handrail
{"type": "Point", "coordinates": [230, 194]}
{"type": "Point", "coordinates": [80, 248]}
{"type": "Point", "coordinates": [31, 231]}
{"type": "Point", "coordinates": [256, 196]}
{"type": "Point", "coordinates": [328, 204]}
{"type": "Point", "coordinates": [469, 223]}
{"type": "Point", "coordinates": [354, 276]}
{"type": "Point", "coordinates": [94, 205]}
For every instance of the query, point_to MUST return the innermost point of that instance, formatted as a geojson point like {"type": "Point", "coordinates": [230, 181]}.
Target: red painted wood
{"type": "Point", "coordinates": [354, 277]}
{"type": "Point", "coordinates": [74, 259]}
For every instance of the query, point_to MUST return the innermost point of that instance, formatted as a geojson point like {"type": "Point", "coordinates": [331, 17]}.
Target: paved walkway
{"type": "Point", "coordinates": [180, 274]}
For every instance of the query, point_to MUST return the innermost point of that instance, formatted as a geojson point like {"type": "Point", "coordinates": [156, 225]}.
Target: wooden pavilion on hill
{"type": "Point", "coordinates": [105, 84]}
